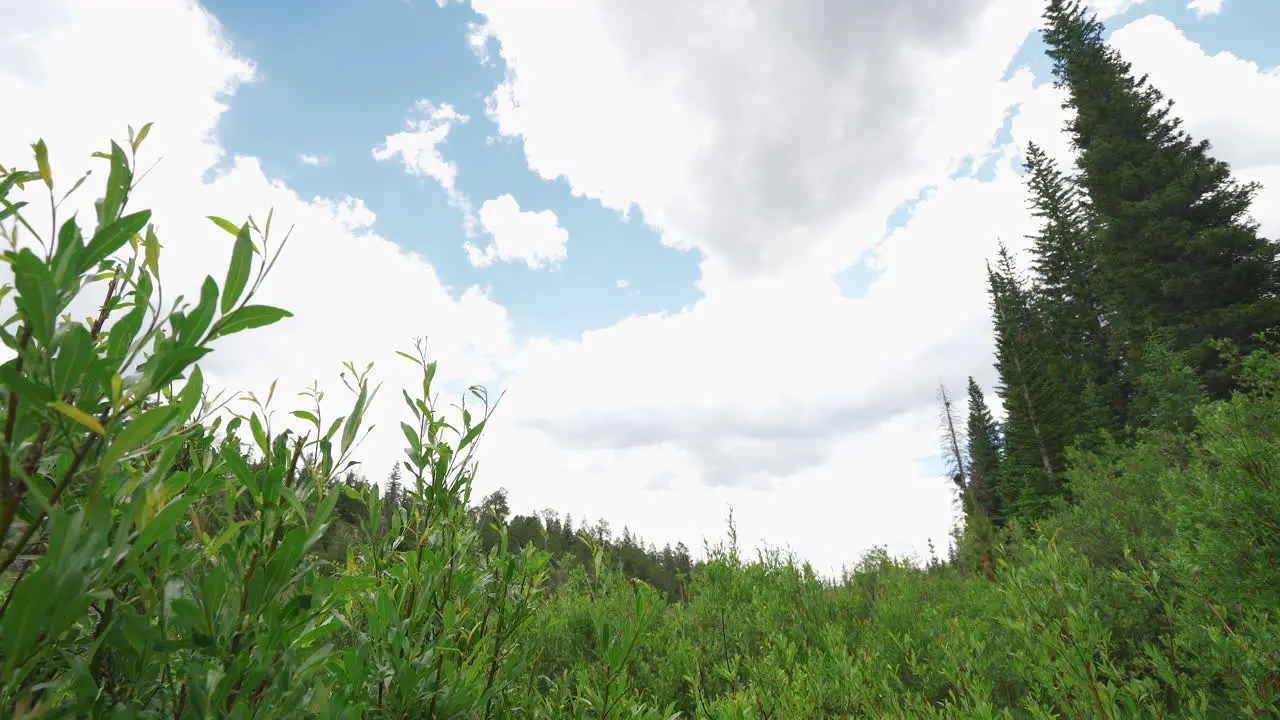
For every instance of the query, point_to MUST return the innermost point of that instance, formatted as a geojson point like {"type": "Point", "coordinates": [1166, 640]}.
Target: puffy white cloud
{"type": "Point", "coordinates": [803, 410]}
{"type": "Point", "coordinates": [763, 133]}
{"type": "Point", "coordinates": [773, 393]}
{"type": "Point", "coordinates": [418, 149]}
{"type": "Point", "coordinates": [312, 159]}
{"type": "Point", "coordinates": [534, 238]}
{"type": "Point", "coordinates": [1107, 9]}
{"type": "Point", "coordinates": [799, 407]}
{"type": "Point", "coordinates": [62, 64]}
{"type": "Point", "coordinates": [1205, 8]}
{"type": "Point", "coordinates": [355, 295]}
{"type": "Point", "coordinates": [1042, 120]}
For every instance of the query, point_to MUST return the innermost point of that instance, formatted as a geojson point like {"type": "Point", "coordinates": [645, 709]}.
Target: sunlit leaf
{"type": "Point", "coordinates": [225, 224]}
{"type": "Point", "coordinates": [113, 237]}
{"type": "Point", "coordinates": [79, 416]}
{"type": "Point", "coordinates": [42, 163]}
{"type": "Point", "coordinates": [247, 318]}
{"type": "Point", "coordinates": [238, 271]}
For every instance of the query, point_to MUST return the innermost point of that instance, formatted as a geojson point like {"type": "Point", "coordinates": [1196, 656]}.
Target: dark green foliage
{"type": "Point", "coordinates": [984, 456]}
{"type": "Point", "coordinates": [1034, 432]}
{"type": "Point", "coordinates": [162, 557]}
{"type": "Point", "coordinates": [1175, 252]}
{"type": "Point", "coordinates": [1144, 263]}
{"type": "Point", "coordinates": [1076, 339]}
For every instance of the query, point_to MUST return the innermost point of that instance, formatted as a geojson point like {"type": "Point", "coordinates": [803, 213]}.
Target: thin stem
{"type": "Point", "coordinates": [18, 547]}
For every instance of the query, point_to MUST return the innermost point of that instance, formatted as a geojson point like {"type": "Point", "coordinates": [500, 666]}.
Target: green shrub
{"type": "Point", "coordinates": [154, 564]}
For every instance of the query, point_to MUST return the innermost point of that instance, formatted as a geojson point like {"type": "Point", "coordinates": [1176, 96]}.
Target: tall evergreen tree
{"type": "Point", "coordinates": [1175, 251]}
{"type": "Point", "coordinates": [1067, 297]}
{"type": "Point", "coordinates": [1025, 381]}
{"type": "Point", "coordinates": [984, 455]}
{"type": "Point", "coordinates": [393, 496]}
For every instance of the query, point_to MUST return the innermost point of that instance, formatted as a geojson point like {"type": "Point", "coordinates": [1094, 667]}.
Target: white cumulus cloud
{"type": "Point", "coordinates": [533, 238]}
{"type": "Point", "coordinates": [771, 137]}
{"type": "Point", "coordinates": [1205, 8]}
{"type": "Point", "coordinates": [418, 149]}
{"type": "Point", "coordinates": [355, 295]}
{"type": "Point", "coordinates": [733, 126]}
{"type": "Point", "coordinates": [804, 410]}
{"type": "Point", "coordinates": [1108, 9]}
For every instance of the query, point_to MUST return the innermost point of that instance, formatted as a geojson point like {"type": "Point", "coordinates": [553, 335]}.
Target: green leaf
{"type": "Point", "coordinates": [286, 556]}
{"type": "Point", "coordinates": [142, 135]}
{"type": "Point", "coordinates": [189, 398]}
{"type": "Point", "coordinates": [37, 296]}
{"type": "Point", "coordinates": [260, 435]}
{"type": "Point", "coordinates": [79, 416]}
{"type": "Point", "coordinates": [121, 336]}
{"type": "Point", "coordinates": [169, 363]}
{"type": "Point", "coordinates": [225, 224]}
{"type": "Point", "coordinates": [16, 177]}
{"type": "Point", "coordinates": [238, 272]}
{"type": "Point", "coordinates": [471, 435]}
{"type": "Point", "coordinates": [113, 237]}
{"type": "Point", "coordinates": [164, 521]}
{"type": "Point", "coordinates": [134, 434]}
{"type": "Point", "coordinates": [38, 488]}
{"type": "Point", "coordinates": [27, 616]}
{"type": "Point", "coordinates": [152, 252]}
{"type": "Point", "coordinates": [198, 321]}
{"type": "Point", "coordinates": [248, 317]}
{"type": "Point", "coordinates": [304, 415]}
{"type": "Point", "coordinates": [70, 245]}
{"type": "Point", "coordinates": [11, 208]}
{"type": "Point", "coordinates": [75, 349]}
{"type": "Point", "coordinates": [411, 436]}
{"type": "Point", "coordinates": [427, 376]}
{"type": "Point", "coordinates": [227, 534]}
{"type": "Point", "coordinates": [42, 162]}
{"type": "Point", "coordinates": [118, 182]}
{"type": "Point", "coordinates": [240, 470]}
{"type": "Point", "coordinates": [353, 421]}
{"type": "Point", "coordinates": [76, 185]}
{"type": "Point", "coordinates": [14, 381]}
{"type": "Point", "coordinates": [333, 428]}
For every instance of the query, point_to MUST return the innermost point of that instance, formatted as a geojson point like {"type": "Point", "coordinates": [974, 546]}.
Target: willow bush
{"type": "Point", "coordinates": [156, 564]}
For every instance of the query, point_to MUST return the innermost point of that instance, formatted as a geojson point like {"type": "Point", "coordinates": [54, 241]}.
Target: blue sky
{"type": "Point", "coordinates": [836, 174]}
{"type": "Point", "coordinates": [354, 69]}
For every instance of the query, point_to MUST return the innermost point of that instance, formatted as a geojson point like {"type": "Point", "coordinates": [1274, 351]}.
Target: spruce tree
{"type": "Point", "coordinates": [1078, 345]}
{"type": "Point", "coordinates": [984, 456]}
{"type": "Point", "coordinates": [393, 497]}
{"type": "Point", "coordinates": [1176, 254]}
{"type": "Point", "coordinates": [1032, 451]}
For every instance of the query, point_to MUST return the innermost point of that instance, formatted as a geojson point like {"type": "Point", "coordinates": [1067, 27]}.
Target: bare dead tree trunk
{"type": "Point", "coordinates": [951, 440]}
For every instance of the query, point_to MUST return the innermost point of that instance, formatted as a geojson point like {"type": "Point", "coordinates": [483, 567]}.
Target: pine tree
{"type": "Point", "coordinates": [393, 497]}
{"type": "Point", "coordinates": [1031, 451]}
{"type": "Point", "coordinates": [1067, 297]}
{"type": "Point", "coordinates": [1176, 254]}
{"type": "Point", "coordinates": [984, 455]}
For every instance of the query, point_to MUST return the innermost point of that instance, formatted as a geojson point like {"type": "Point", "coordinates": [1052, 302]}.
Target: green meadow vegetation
{"type": "Point", "coordinates": [163, 556]}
